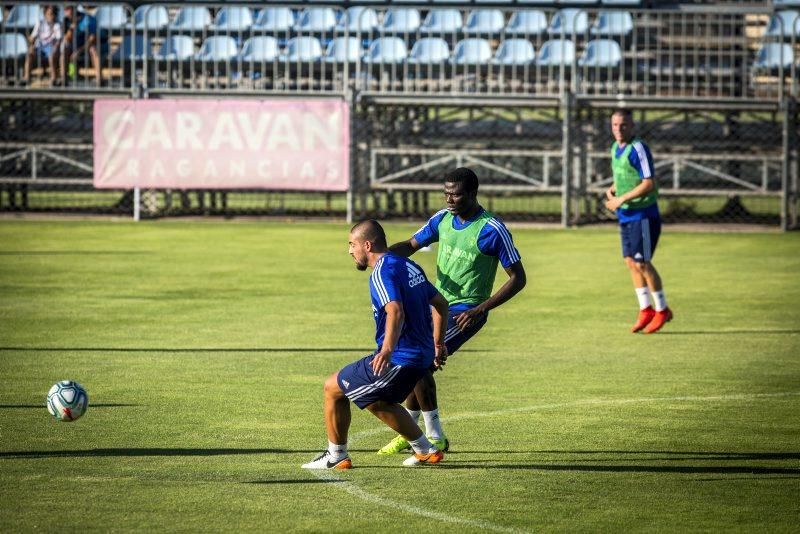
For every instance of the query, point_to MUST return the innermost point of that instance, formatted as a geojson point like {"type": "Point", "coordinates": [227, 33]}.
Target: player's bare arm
{"type": "Point", "coordinates": [405, 248]}
{"type": "Point", "coordinates": [439, 312]}
{"type": "Point", "coordinates": [515, 283]}
{"type": "Point", "coordinates": [647, 185]}
{"type": "Point", "coordinates": [394, 325]}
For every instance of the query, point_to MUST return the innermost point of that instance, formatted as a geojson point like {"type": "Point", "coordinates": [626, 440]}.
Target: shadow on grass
{"type": "Point", "coordinates": [43, 405]}
{"type": "Point", "coordinates": [297, 481]}
{"type": "Point", "coordinates": [725, 332]}
{"type": "Point", "coordinates": [588, 468]}
{"type": "Point", "coordinates": [355, 351]}
{"type": "Point", "coordinates": [137, 452]}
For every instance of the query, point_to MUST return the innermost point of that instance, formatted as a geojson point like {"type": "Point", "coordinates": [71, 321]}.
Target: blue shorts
{"type": "Point", "coordinates": [46, 51]}
{"type": "Point", "coordinates": [639, 238]}
{"type": "Point", "coordinates": [363, 387]}
{"type": "Point", "coordinates": [454, 337]}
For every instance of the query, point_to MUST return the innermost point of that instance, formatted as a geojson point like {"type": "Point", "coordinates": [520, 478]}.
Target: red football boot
{"type": "Point", "coordinates": [645, 316]}
{"type": "Point", "coordinates": [660, 319]}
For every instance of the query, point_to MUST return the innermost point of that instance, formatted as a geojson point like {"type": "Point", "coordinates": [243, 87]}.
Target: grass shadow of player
{"type": "Point", "coordinates": [147, 451]}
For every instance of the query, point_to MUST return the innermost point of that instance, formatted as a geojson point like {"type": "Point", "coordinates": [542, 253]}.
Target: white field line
{"type": "Point", "coordinates": [354, 490]}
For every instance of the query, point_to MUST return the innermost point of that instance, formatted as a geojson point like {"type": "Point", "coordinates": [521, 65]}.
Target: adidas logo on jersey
{"type": "Point", "coordinates": [346, 384]}
{"type": "Point", "coordinates": [415, 276]}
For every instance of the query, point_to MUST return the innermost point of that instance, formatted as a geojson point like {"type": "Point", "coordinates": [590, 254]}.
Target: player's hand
{"type": "Point", "coordinates": [468, 318]}
{"type": "Point", "coordinates": [380, 363]}
{"type": "Point", "coordinates": [614, 203]}
{"type": "Point", "coordinates": [610, 193]}
{"type": "Point", "coordinates": [440, 358]}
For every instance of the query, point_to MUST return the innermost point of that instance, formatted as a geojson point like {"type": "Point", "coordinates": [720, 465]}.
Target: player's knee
{"type": "Point", "coordinates": [331, 386]}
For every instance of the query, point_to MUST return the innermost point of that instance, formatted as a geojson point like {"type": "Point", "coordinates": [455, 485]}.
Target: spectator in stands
{"type": "Point", "coordinates": [45, 43]}
{"type": "Point", "coordinates": [634, 198]}
{"type": "Point", "coordinates": [81, 38]}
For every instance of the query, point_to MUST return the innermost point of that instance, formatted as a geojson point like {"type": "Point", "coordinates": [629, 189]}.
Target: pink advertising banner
{"type": "Point", "coordinates": [221, 144]}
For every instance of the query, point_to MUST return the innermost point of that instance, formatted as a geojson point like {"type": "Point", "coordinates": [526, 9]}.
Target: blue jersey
{"type": "Point", "coordinates": [399, 279]}
{"type": "Point", "coordinates": [640, 159]}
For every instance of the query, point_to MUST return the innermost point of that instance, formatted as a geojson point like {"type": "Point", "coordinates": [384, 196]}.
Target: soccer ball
{"type": "Point", "coordinates": [67, 400]}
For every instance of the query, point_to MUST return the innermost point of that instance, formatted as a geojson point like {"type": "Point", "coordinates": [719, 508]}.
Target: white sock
{"type": "Point", "coordinates": [643, 294]}
{"type": "Point", "coordinates": [414, 414]}
{"type": "Point", "coordinates": [660, 300]}
{"type": "Point", "coordinates": [421, 445]}
{"type": "Point", "coordinates": [433, 426]}
{"type": "Point", "coordinates": [337, 451]}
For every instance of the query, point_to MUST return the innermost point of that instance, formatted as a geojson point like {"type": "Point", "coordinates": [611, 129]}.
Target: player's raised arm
{"type": "Point", "coordinates": [517, 279]}
{"type": "Point", "coordinates": [439, 312]}
{"type": "Point", "coordinates": [405, 248]}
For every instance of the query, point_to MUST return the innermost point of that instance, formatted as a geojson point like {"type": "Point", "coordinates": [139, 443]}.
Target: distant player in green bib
{"type": "Point", "coordinates": [634, 198]}
{"type": "Point", "coordinates": [472, 242]}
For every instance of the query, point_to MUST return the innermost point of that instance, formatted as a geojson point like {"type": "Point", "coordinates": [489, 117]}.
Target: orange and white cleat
{"type": "Point", "coordinates": [323, 461]}
{"type": "Point", "coordinates": [434, 456]}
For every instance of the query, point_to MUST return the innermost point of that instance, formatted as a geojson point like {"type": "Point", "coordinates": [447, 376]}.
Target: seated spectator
{"type": "Point", "coordinates": [80, 39]}
{"type": "Point", "coordinates": [45, 44]}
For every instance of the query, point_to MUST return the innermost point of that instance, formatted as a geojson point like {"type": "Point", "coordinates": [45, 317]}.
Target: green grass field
{"type": "Point", "coordinates": [204, 346]}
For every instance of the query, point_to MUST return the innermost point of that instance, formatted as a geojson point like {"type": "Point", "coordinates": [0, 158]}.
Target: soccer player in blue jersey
{"type": "Point", "coordinates": [634, 198]}
{"type": "Point", "coordinates": [472, 241]}
{"type": "Point", "coordinates": [410, 319]}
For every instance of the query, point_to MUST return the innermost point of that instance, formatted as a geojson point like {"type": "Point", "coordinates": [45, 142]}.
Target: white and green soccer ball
{"type": "Point", "coordinates": [67, 400]}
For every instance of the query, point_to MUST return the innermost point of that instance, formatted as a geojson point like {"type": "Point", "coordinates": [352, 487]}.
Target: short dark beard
{"type": "Point", "coordinates": [361, 266]}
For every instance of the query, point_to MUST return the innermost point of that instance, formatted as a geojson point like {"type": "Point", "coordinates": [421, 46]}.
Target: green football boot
{"type": "Point", "coordinates": [396, 446]}
{"type": "Point", "coordinates": [441, 444]}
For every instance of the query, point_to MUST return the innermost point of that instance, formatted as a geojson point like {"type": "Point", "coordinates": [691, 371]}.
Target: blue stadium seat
{"type": "Point", "coordinates": [527, 22]}
{"type": "Point", "coordinates": [343, 50]}
{"type": "Point", "coordinates": [442, 21]}
{"type": "Point", "coordinates": [401, 20]}
{"type": "Point", "coordinates": [773, 56]}
{"type": "Point", "coordinates": [556, 52]}
{"type": "Point", "coordinates": [304, 49]}
{"type": "Point", "coordinates": [13, 46]}
{"type": "Point", "coordinates": [358, 19]}
{"type": "Point", "coordinates": [472, 51]}
{"type": "Point", "coordinates": [514, 52]}
{"type": "Point", "coordinates": [191, 19]}
{"type": "Point", "coordinates": [612, 23]}
{"type": "Point", "coordinates": [110, 17]}
{"type": "Point", "coordinates": [569, 21]}
{"type": "Point", "coordinates": [386, 50]}
{"type": "Point", "coordinates": [316, 20]}
{"type": "Point", "coordinates": [429, 51]}
{"type": "Point", "coordinates": [274, 19]}
{"type": "Point", "coordinates": [23, 17]}
{"type": "Point", "coordinates": [150, 17]}
{"type": "Point", "coordinates": [484, 22]}
{"type": "Point", "coordinates": [784, 24]}
{"type": "Point", "coordinates": [177, 47]}
{"type": "Point", "coordinates": [601, 53]}
{"type": "Point", "coordinates": [261, 48]}
{"type": "Point", "coordinates": [218, 48]}
{"type": "Point", "coordinates": [233, 19]}
{"type": "Point", "coordinates": [132, 48]}
{"type": "Point", "coordinates": [786, 3]}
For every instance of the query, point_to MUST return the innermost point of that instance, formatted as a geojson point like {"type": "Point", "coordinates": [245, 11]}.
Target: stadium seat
{"type": "Point", "coordinates": [773, 56]}
{"type": "Point", "coordinates": [577, 2]}
{"type": "Point", "coordinates": [261, 48]}
{"type": "Point", "coordinates": [527, 22]}
{"type": "Point", "coordinates": [191, 19]}
{"type": "Point", "coordinates": [22, 17]}
{"type": "Point", "coordinates": [514, 52]}
{"type": "Point", "coordinates": [343, 50]}
{"type": "Point", "coordinates": [132, 48]}
{"type": "Point", "coordinates": [619, 3]}
{"type": "Point", "coordinates": [569, 21]}
{"type": "Point", "coordinates": [110, 17]}
{"type": "Point", "coordinates": [13, 46]}
{"type": "Point", "coordinates": [556, 52]}
{"type": "Point", "coordinates": [358, 19]}
{"type": "Point", "coordinates": [786, 3]}
{"type": "Point", "coordinates": [401, 20]}
{"type": "Point", "coordinates": [302, 49]}
{"type": "Point", "coordinates": [233, 19]}
{"type": "Point", "coordinates": [316, 20]}
{"type": "Point", "coordinates": [784, 24]}
{"type": "Point", "coordinates": [274, 19]}
{"type": "Point", "coordinates": [217, 48]}
{"type": "Point", "coordinates": [429, 51]}
{"type": "Point", "coordinates": [601, 53]}
{"type": "Point", "coordinates": [472, 51]}
{"type": "Point", "coordinates": [177, 47]}
{"type": "Point", "coordinates": [612, 23]}
{"type": "Point", "coordinates": [150, 17]}
{"type": "Point", "coordinates": [386, 50]}
{"type": "Point", "coordinates": [484, 22]}
{"type": "Point", "coordinates": [442, 21]}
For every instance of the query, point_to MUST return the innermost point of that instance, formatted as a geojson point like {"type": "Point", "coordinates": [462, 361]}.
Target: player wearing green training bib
{"type": "Point", "coordinates": [472, 243]}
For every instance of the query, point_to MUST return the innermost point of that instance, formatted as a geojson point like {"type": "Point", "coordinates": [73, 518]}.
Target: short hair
{"type": "Point", "coordinates": [372, 231]}
{"type": "Point", "coordinates": [463, 175]}
{"type": "Point", "coordinates": [625, 112]}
